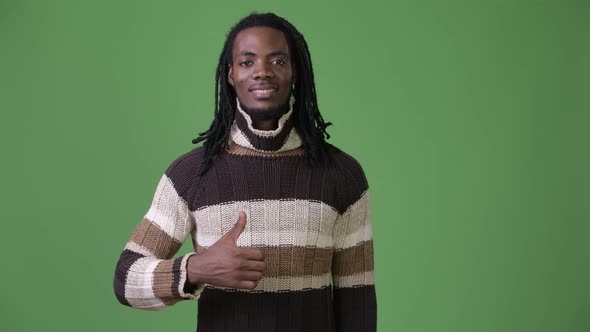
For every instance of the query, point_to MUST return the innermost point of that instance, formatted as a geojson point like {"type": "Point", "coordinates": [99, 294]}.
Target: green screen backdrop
{"type": "Point", "coordinates": [470, 118]}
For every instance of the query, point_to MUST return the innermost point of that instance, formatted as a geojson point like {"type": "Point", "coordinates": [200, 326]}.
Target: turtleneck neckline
{"type": "Point", "coordinates": [283, 138]}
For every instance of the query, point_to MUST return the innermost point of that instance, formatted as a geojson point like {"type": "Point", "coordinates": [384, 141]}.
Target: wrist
{"type": "Point", "coordinates": [192, 275]}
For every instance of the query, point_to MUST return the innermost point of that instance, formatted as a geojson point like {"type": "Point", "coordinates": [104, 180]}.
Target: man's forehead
{"type": "Point", "coordinates": [258, 40]}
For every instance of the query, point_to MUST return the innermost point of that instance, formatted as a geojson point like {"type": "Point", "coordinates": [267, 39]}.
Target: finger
{"type": "Point", "coordinates": [254, 266]}
{"type": "Point", "coordinates": [251, 275]}
{"type": "Point", "coordinates": [252, 253]}
{"type": "Point", "coordinates": [247, 284]}
{"type": "Point", "coordinates": [238, 228]}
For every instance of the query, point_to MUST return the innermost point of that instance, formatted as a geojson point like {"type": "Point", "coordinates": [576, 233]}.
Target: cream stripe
{"type": "Point", "coordinates": [354, 225]}
{"type": "Point", "coordinates": [169, 211]}
{"type": "Point", "coordinates": [286, 284]}
{"type": "Point", "coordinates": [360, 279]}
{"type": "Point", "coordinates": [292, 141]}
{"type": "Point", "coordinates": [138, 288]}
{"type": "Point", "coordinates": [360, 235]}
{"type": "Point", "coordinates": [238, 136]}
{"type": "Point", "coordinates": [269, 222]}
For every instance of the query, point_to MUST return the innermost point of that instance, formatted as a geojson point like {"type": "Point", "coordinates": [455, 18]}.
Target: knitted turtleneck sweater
{"type": "Point", "coordinates": [313, 224]}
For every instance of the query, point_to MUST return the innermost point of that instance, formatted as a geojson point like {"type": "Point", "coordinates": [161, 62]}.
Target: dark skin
{"type": "Point", "coordinates": [261, 74]}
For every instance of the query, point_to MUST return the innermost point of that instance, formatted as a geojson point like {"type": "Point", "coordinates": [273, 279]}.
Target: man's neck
{"type": "Point", "coordinates": [266, 135]}
{"type": "Point", "coordinates": [265, 124]}
{"type": "Point", "coordinates": [266, 119]}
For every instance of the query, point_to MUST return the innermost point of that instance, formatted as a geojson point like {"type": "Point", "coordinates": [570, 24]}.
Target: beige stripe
{"type": "Point", "coordinates": [354, 225]}
{"type": "Point", "coordinates": [354, 260]}
{"type": "Point", "coordinates": [138, 286]}
{"type": "Point", "coordinates": [285, 284]}
{"type": "Point", "coordinates": [269, 223]}
{"type": "Point", "coordinates": [170, 212]}
{"type": "Point", "coordinates": [360, 279]}
{"type": "Point", "coordinates": [237, 149]}
{"type": "Point", "coordinates": [151, 237]}
{"type": "Point", "coordinates": [162, 282]}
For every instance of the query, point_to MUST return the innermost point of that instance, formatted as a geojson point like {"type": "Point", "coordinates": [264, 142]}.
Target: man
{"type": "Point", "coordinates": [300, 256]}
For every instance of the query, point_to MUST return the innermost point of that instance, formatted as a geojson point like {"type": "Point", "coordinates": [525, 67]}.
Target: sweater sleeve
{"type": "Point", "coordinates": [147, 275]}
{"type": "Point", "coordinates": [354, 297]}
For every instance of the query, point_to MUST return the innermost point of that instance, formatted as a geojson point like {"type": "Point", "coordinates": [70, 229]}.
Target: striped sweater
{"type": "Point", "coordinates": [313, 224]}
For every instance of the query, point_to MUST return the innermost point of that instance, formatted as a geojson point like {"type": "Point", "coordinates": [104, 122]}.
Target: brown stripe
{"type": "Point", "coordinates": [126, 260]}
{"type": "Point", "coordinates": [339, 185]}
{"type": "Point", "coordinates": [183, 174]}
{"type": "Point", "coordinates": [295, 261]}
{"type": "Point", "coordinates": [355, 309]}
{"type": "Point", "coordinates": [269, 178]}
{"type": "Point", "coordinates": [309, 310]}
{"type": "Point", "coordinates": [163, 281]}
{"type": "Point", "coordinates": [354, 260]}
{"type": "Point", "coordinates": [154, 239]}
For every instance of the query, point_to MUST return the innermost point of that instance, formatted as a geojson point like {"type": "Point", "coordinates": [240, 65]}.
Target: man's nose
{"type": "Point", "coordinates": [262, 71]}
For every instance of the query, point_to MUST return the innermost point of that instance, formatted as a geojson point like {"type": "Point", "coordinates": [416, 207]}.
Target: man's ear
{"type": "Point", "coordinates": [230, 75]}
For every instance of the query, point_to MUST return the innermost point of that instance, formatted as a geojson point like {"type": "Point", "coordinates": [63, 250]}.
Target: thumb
{"type": "Point", "coordinates": [238, 228]}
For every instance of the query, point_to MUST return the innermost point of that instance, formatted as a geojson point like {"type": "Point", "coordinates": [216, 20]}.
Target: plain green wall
{"type": "Point", "coordinates": [469, 117]}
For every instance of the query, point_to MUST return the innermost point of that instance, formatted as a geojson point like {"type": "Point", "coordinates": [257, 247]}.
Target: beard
{"type": "Point", "coordinates": [265, 114]}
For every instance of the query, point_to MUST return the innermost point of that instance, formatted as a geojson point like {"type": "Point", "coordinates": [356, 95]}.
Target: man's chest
{"type": "Point", "coordinates": [286, 202]}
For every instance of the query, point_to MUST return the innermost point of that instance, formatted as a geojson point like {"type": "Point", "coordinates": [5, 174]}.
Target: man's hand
{"type": "Point", "coordinates": [227, 265]}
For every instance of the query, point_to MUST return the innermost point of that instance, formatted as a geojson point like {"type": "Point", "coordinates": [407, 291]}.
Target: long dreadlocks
{"type": "Point", "coordinates": [306, 115]}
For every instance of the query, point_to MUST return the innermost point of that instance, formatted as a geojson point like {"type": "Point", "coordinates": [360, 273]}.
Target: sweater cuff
{"type": "Point", "coordinates": [185, 288]}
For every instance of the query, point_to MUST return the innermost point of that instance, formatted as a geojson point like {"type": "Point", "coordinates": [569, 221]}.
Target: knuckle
{"type": "Point", "coordinates": [235, 252]}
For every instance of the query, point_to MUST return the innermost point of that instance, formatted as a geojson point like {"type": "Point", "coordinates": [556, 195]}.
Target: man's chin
{"type": "Point", "coordinates": [267, 113]}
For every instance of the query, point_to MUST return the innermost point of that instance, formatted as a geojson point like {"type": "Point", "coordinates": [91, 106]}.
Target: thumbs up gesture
{"type": "Point", "coordinates": [227, 265]}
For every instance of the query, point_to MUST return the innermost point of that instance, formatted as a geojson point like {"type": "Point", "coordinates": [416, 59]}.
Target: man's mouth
{"type": "Point", "coordinates": [263, 93]}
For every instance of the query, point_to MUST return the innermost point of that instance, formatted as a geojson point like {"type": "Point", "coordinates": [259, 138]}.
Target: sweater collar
{"type": "Point", "coordinates": [284, 138]}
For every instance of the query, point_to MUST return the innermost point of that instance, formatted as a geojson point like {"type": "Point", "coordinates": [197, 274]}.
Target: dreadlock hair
{"type": "Point", "coordinates": [306, 116]}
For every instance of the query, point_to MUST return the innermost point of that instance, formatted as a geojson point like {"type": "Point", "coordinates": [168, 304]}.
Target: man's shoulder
{"type": "Point", "coordinates": [345, 161]}
{"type": "Point", "coordinates": [349, 177]}
{"type": "Point", "coordinates": [186, 165]}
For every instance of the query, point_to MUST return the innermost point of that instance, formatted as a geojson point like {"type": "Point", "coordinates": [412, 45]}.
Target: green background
{"type": "Point", "coordinates": [470, 118]}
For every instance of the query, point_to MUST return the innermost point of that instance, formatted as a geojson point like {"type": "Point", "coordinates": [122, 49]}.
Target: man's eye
{"type": "Point", "coordinates": [245, 63]}
{"type": "Point", "coordinates": [279, 62]}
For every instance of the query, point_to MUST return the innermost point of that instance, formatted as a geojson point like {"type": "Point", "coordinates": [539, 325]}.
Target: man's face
{"type": "Point", "coordinates": [261, 71]}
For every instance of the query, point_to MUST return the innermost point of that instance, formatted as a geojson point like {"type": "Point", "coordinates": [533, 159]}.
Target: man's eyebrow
{"type": "Point", "coordinates": [273, 53]}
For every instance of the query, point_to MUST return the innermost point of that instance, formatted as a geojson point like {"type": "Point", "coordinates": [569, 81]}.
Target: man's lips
{"type": "Point", "coordinates": [263, 91]}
